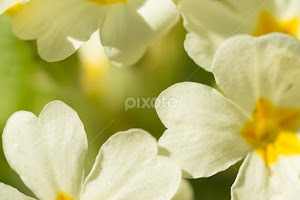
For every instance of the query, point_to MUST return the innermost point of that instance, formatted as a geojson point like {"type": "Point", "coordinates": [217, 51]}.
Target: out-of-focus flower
{"type": "Point", "coordinates": [127, 27]}
{"type": "Point", "coordinates": [209, 23]}
{"type": "Point", "coordinates": [259, 117]}
{"type": "Point", "coordinates": [94, 67]}
{"type": "Point", "coordinates": [48, 152]}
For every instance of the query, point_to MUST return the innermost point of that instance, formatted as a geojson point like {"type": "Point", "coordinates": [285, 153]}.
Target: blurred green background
{"type": "Point", "coordinates": [28, 83]}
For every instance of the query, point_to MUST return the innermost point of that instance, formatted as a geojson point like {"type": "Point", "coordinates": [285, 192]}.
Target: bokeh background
{"type": "Point", "coordinates": [28, 83]}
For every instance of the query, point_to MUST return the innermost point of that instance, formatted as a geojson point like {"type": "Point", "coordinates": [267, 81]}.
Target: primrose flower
{"type": "Point", "coordinates": [126, 27]}
{"type": "Point", "coordinates": [258, 117]}
{"type": "Point", "coordinates": [48, 153]}
{"type": "Point", "coordinates": [209, 23]}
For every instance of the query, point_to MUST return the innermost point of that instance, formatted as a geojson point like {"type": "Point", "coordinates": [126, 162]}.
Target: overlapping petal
{"type": "Point", "coordinates": [47, 151]}
{"type": "Point", "coordinates": [203, 130]}
{"type": "Point", "coordinates": [127, 168]}
{"type": "Point", "coordinates": [265, 67]}
{"type": "Point", "coordinates": [209, 23]}
{"type": "Point", "coordinates": [60, 27]}
{"type": "Point", "coordinates": [126, 29]}
{"type": "Point", "coordinates": [129, 29]}
{"type": "Point", "coordinates": [278, 181]}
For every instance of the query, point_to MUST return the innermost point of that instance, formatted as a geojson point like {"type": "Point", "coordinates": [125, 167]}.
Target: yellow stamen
{"type": "Point", "coordinates": [105, 2]}
{"type": "Point", "coordinates": [63, 196]}
{"type": "Point", "coordinates": [268, 24]}
{"type": "Point", "coordinates": [12, 11]}
{"type": "Point", "coordinates": [272, 131]}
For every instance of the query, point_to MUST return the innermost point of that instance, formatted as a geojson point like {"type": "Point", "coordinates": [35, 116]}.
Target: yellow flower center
{"type": "Point", "coordinates": [272, 131]}
{"type": "Point", "coordinates": [105, 2]}
{"type": "Point", "coordinates": [63, 196]}
{"type": "Point", "coordinates": [267, 23]}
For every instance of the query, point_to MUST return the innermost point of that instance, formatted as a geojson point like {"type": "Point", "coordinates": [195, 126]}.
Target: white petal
{"type": "Point", "coordinates": [203, 129]}
{"type": "Point", "coordinates": [47, 152]}
{"type": "Point", "coordinates": [5, 4]}
{"type": "Point", "coordinates": [185, 191]}
{"type": "Point", "coordinates": [202, 47]}
{"type": "Point", "coordinates": [127, 168]}
{"type": "Point", "coordinates": [280, 181]}
{"type": "Point", "coordinates": [209, 23]}
{"type": "Point", "coordinates": [248, 68]}
{"type": "Point", "coordinates": [252, 179]}
{"type": "Point", "coordinates": [60, 27]}
{"type": "Point", "coordinates": [10, 193]}
{"type": "Point", "coordinates": [129, 29]}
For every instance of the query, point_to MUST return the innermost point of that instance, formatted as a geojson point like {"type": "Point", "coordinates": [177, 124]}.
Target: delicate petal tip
{"type": "Point", "coordinates": [16, 119]}
{"type": "Point", "coordinates": [135, 132]}
{"type": "Point", "coordinates": [201, 56]}
{"type": "Point", "coordinates": [59, 107]}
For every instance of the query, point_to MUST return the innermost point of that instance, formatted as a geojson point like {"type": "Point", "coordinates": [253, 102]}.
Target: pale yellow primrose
{"type": "Point", "coordinates": [258, 117]}
{"type": "Point", "coordinates": [126, 27]}
{"type": "Point", "coordinates": [48, 152]}
{"type": "Point", "coordinates": [210, 23]}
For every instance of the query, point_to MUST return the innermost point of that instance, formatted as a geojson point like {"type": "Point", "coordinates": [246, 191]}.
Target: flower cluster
{"type": "Point", "coordinates": [251, 47]}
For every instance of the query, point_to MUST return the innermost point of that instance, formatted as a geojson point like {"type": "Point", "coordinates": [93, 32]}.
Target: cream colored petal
{"type": "Point", "coordinates": [129, 29]}
{"type": "Point", "coordinates": [203, 133]}
{"type": "Point", "coordinates": [5, 4]}
{"type": "Point", "coordinates": [279, 181]}
{"type": "Point", "coordinates": [252, 180]}
{"type": "Point", "coordinates": [248, 68]}
{"type": "Point", "coordinates": [210, 23]}
{"type": "Point", "coordinates": [10, 193]}
{"type": "Point", "coordinates": [128, 168]}
{"type": "Point", "coordinates": [60, 27]}
{"type": "Point", "coordinates": [47, 152]}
